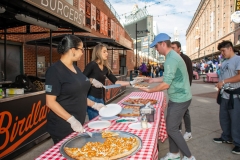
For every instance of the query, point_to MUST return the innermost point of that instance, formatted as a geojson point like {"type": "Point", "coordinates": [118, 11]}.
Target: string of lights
{"type": "Point", "coordinates": [215, 7]}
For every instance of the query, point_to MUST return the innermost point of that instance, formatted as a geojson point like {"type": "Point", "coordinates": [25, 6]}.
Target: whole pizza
{"type": "Point", "coordinates": [141, 101]}
{"type": "Point", "coordinates": [114, 147]}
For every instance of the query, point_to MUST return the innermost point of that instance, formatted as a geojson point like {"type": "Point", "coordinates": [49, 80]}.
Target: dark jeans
{"type": "Point", "coordinates": [161, 73]}
{"type": "Point", "coordinates": [92, 113]}
{"type": "Point", "coordinates": [230, 121]}
{"type": "Point", "coordinates": [157, 74]}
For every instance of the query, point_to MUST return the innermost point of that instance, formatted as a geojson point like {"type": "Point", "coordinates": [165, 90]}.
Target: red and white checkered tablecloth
{"type": "Point", "coordinates": [149, 137]}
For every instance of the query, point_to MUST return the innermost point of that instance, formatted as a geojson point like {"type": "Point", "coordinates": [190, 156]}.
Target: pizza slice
{"type": "Point", "coordinates": [107, 134]}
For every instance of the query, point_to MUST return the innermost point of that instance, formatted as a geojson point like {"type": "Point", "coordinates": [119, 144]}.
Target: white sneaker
{"type": "Point", "coordinates": [187, 136]}
{"type": "Point", "coordinates": [186, 158]}
{"type": "Point", "coordinates": [171, 156]}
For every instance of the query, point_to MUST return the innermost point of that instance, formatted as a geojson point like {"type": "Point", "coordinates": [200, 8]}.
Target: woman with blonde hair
{"type": "Point", "coordinates": [100, 69]}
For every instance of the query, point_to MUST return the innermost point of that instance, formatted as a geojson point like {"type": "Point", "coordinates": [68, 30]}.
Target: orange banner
{"type": "Point", "coordinates": [102, 22]}
{"type": "Point", "coordinates": [93, 17]}
{"type": "Point", "coordinates": [82, 9]}
{"type": "Point", "coordinates": [105, 25]}
{"type": "Point", "coordinates": [112, 29]}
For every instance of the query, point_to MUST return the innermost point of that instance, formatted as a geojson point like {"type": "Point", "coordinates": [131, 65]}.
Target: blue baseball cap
{"type": "Point", "coordinates": [160, 38]}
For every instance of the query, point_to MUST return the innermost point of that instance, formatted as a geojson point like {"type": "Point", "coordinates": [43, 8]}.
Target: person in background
{"type": "Point", "coordinates": [176, 46]}
{"type": "Point", "coordinates": [176, 81]}
{"type": "Point", "coordinates": [229, 100]}
{"type": "Point", "coordinates": [157, 68]}
{"type": "Point", "coordinates": [161, 70]}
{"type": "Point", "coordinates": [143, 69]}
{"type": "Point", "coordinates": [99, 69]}
{"type": "Point", "coordinates": [148, 70]}
{"type": "Point", "coordinates": [66, 91]}
{"type": "Point", "coordinates": [152, 71]}
{"type": "Point", "coordinates": [202, 66]}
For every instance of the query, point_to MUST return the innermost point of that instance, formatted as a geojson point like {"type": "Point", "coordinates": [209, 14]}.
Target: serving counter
{"type": "Point", "coordinates": [22, 123]}
{"type": "Point", "coordinates": [149, 136]}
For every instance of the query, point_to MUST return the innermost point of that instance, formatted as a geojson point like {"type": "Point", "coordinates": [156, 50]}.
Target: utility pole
{"type": "Point", "coordinates": [136, 47]}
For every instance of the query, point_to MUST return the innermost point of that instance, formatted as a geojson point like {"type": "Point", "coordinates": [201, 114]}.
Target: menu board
{"type": "Point", "coordinates": [93, 17]}
{"type": "Point", "coordinates": [82, 9]}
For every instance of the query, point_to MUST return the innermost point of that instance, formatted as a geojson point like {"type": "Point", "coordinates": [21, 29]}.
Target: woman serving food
{"type": "Point", "coordinates": [99, 69]}
{"type": "Point", "coordinates": [66, 91]}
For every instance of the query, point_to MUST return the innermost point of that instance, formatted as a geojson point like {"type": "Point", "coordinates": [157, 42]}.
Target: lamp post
{"type": "Point", "coordinates": [136, 46]}
{"type": "Point", "coordinates": [136, 41]}
{"type": "Point", "coordinates": [148, 49]}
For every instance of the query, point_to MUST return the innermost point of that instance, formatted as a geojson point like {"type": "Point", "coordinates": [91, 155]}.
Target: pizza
{"type": "Point", "coordinates": [112, 148]}
{"type": "Point", "coordinates": [107, 134]}
{"type": "Point", "coordinates": [141, 101]}
{"type": "Point", "coordinates": [130, 111]}
{"type": "Point", "coordinates": [141, 85]}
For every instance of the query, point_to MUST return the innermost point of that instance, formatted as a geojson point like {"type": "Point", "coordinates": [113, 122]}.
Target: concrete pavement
{"type": "Point", "coordinates": [205, 126]}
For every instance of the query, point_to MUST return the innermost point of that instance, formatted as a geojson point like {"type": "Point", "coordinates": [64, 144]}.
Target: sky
{"type": "Point", "coordinates": [163, 13]}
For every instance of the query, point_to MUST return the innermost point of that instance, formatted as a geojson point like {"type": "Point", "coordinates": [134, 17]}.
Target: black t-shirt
{"type": "Point", "coordinates": [71, 90]}
{"type": "Point", "coordinates": [92, 70]}
{"type": "Point", "coordinates": [188, 63]}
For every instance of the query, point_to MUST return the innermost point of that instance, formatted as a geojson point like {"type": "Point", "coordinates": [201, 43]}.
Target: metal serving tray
{"type": "Point", "coordinates": [81, 139]}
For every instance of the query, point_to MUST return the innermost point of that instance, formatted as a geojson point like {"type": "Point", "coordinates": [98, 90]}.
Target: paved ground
{"type": "Point", "coordinates": [205, 126]}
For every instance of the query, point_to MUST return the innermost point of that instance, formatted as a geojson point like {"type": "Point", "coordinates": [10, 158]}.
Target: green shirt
{"type": "Point", "coordinates": [176, 75]}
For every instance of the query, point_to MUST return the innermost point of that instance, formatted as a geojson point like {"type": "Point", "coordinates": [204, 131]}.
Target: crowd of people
{"type": "Point", "coordinates": [154, 70]}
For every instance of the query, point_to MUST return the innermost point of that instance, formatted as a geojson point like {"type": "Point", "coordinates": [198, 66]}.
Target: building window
{"type": "Point", "coordinates": [218, 9]}
{"type": "Point", "coordinates": [239, 37]}
{"type": "Point", "coordinates": [224, 17]}
{"type": "Point", "coordinates": [231, 9]}
{"type": "Point", "coordinates": [218, 35]}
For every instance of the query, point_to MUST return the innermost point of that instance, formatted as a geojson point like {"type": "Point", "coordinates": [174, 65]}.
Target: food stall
{"type": "Point", "coordinates": [90, 41]}
{"type": "Point", "coordinates": [23, 116]}
{"type": "Point", "coordinates": [148, 137]}
{"type": "Point", "coordinates": [37, 24]}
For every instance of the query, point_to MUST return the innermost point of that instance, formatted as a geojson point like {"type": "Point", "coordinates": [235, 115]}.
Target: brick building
{"type": "Point", "coordinates": [29, 53]}
{"type": "Point", "coordinates": [211, 25]}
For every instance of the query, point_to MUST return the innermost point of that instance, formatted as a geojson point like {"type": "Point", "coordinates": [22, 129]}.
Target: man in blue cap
{"type": "Point", "coordinates": [176, 82]}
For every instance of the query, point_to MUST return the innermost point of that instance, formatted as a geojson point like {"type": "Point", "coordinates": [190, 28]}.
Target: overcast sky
{"type": "Point", "coordinates": [163, 13]}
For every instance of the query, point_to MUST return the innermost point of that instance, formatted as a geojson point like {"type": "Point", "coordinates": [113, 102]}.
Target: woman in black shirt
{"type": "Point", "coordinates": [99, 69]}
{"type": "Point", "coordinates": [66, 91]}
